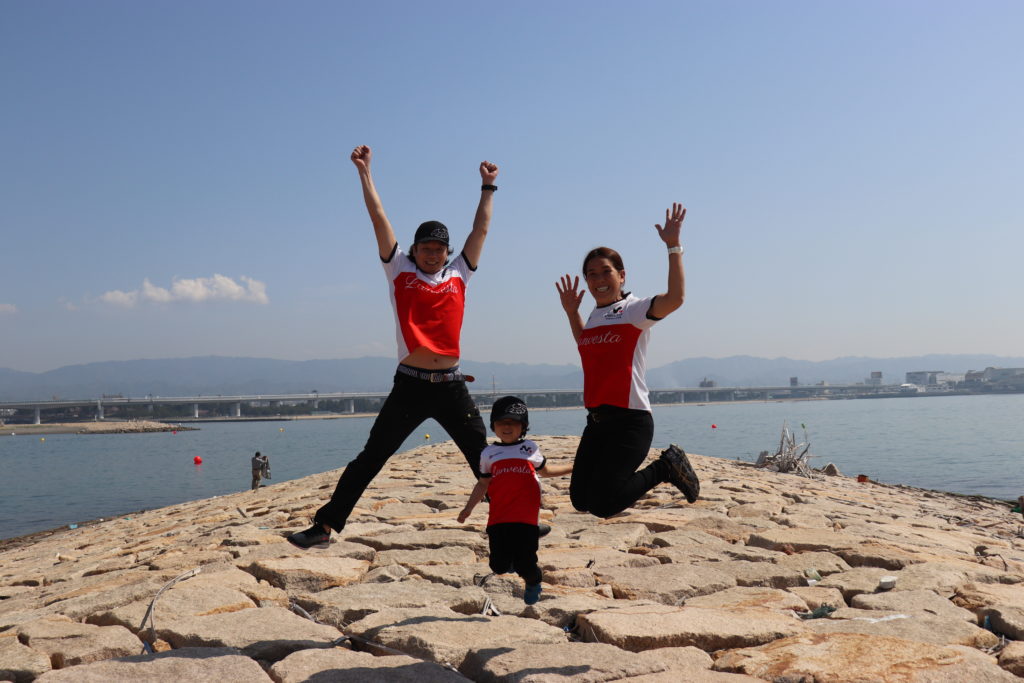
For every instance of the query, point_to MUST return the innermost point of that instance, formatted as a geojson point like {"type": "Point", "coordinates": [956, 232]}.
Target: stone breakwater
{"type": "Point", "coordinates": [105, 427]}
{"type": "Point", "coordinates": [665, 592]}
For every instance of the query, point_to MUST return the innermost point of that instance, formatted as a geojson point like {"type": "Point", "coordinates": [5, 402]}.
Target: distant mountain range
{"type": "Point", "coordinates": [212, 375]}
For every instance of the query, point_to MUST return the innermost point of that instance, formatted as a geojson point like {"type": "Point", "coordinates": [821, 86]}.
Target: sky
{"type": "Point", "coordinates": [175, 181]}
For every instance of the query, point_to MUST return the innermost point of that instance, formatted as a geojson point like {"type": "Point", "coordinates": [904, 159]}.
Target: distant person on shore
{"type": "Point", "coordinates": [260, 469]}
{"type": "Point", "coordinates": [613, 348]}
{"type": "Point", "coordinates": [508, 474]}
{"type": "Point", "coordinates": [428, 290]}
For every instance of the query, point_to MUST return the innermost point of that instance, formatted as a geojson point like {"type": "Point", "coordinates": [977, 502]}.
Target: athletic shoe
{"type": "Point", "coordinates": [313, 537]}
{"type": "Point", "coordinates": [532, 594]}
{"type": "Point", "coordinates": [543, 530]}
{"type": "Point", "coordinates": [680, 472]}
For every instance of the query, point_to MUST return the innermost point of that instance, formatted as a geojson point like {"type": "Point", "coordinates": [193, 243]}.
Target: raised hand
{"type": "Point", "coordinates": [673, 225]}
{"type": "Point", "coordinates": [361, 156]}
{"type": "Point", "coordinates": [488, 172]}
{"type": "Point", "coordinates": [570, 293]}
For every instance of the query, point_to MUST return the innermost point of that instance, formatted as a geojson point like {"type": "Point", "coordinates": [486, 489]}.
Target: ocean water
{"type": "Point", "coordinates": [964, 444]}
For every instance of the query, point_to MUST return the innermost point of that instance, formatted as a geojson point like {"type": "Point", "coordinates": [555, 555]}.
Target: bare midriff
{"type": "Point", "coordinates": [422, 357]}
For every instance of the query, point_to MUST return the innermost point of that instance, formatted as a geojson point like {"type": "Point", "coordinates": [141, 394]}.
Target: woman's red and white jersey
{"type": "Point", "coordinates": [515, 488]}
{"type": "Point", "coordinates": [428, 308]}
{"type": "Point", "coordinates": [613, 349]}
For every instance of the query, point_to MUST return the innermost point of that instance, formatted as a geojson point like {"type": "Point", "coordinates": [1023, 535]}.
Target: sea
{"type": "Point", "coordinates": [971, 445]}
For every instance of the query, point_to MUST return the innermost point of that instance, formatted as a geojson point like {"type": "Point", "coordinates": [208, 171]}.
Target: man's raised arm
{"type": "Point", "coordinates": [475, 242]}
{"type": "Point", "coordinates": [386, 241]}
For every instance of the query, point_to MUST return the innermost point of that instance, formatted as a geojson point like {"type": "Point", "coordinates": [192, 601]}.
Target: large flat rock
{"type": "Point", "coordinates": [225, 665]}
{"type": "Point", "coordinates": [670, 584]}
{"type": "Point", "coordinates": [845, 657]}
{"type": "Point", "coordinates": [20, 663]}
{"type": "Point", "coordinates": [309, 572]}
{"type": "Point", "coordinates": [446, 637]}
{"type": "Point", "coordinates": [428, 538]}
{"type": "Point", "coordinates": [68, 643]}
{"type": "Point", "coordinates": [339, 606]}
{"type": "Point", "coordinates": [919, 626]}
{"type": "Point", "coordinates": [340, 665]}
{"type": "Point", "coordinates": [637, 628]}
{"type": "Point", "coordinates": [570, 661]}
{"type": "Point", "coordinates": [268, 633]}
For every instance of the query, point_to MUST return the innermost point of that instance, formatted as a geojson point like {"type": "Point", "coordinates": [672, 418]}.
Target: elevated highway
{"type": "Point", "coordinates": [540, 398]}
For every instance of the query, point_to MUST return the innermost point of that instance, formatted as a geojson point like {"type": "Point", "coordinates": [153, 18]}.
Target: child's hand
{"type": "Point", "coordinates": [464, 515]}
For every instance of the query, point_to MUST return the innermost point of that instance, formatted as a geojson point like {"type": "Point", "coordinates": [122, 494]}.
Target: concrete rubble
{"type": "Point", "coordinates": [768, 577]}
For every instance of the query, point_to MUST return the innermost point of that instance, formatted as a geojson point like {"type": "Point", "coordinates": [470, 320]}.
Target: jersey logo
{"type": "Point", "coordinates": [615, 313]}
{"type": "Point", "coordinates": [526, 449]}
{"type": "Point", "coordinates": [413, 282]}
{"type": "Point", "coordinates": [606, 338]}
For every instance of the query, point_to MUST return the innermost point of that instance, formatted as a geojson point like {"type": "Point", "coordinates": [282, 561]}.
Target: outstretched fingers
{"type": "Point", "coordinates": [569, 292]}
{"type": "Point", "coordinates": [673, 223]}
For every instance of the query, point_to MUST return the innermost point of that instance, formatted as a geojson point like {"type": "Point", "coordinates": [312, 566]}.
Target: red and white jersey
{"type": "Point", "coordinates": [613, 348]}
{"type": "Point", "coordinates": [515, 488]}
{"type": "Point", "coordinates": [428, 308]}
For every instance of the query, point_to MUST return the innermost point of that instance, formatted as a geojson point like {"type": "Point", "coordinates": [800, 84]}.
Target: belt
{"type": "Point", "coordinates": [449, 375]}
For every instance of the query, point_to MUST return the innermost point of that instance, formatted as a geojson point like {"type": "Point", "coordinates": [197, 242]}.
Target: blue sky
{"type": "Point", "coordinates": [175, 177]}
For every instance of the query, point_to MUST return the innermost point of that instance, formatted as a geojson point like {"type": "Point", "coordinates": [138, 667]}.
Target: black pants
{"type": "Point", "coordinates": [514, 549]}
{"type": "Point", "coordinates": [616, 441]}
{"type": "Point", "coordinates": [410, 403]}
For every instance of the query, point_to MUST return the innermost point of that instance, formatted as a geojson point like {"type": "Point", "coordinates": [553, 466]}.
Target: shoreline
{"type": "Point", "coordinates": [25, 539]}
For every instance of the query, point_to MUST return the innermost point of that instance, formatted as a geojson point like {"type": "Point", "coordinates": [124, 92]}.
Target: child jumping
{"type": "Point", "coordinates": [508, 474]}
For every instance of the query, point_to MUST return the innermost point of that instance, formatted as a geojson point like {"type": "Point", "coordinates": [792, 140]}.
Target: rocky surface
{"type": "Point", "coordinates": [769, 577]}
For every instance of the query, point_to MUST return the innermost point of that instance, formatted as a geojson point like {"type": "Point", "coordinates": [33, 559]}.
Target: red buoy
{"type": "Point", "coordinates": [714, 426]}
{"type": "Point", "coordinates": [197, 460]}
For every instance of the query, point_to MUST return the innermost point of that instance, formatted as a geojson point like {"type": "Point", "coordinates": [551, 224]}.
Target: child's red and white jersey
{"type": "Point", "coordinates": [613, 349]}
{"type": "Point", "coordinates": [428, 308]}
{"type": "Point", "coordinates": [515, 488]}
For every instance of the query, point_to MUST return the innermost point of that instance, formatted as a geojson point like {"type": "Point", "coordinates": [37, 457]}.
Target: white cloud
{"type": "Point", "coordinates": [196, 290]}
{"type": "Point", "coordinates": [8, 308]}
{"type": "Point", "coordinates": [119, 298]}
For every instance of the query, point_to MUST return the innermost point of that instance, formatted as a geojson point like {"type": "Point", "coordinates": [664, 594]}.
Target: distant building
{"type": "Point", "coordinates": [875, 379]}
{"type": "Point", "coordinates": [924, 378]}
{"type": "Point", "coordinates": [996, 379]}
{"type": "Point", "coordinates": [793, 382]}
{"type": "Point", "coordinates": [1003, 374]}
{"type": "Point", "coordinates": [708, 383]}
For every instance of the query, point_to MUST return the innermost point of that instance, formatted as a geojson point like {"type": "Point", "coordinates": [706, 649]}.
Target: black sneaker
{"type": "Point", "coordinates": [543, 530]}
{"type": "Point", "coordinates": [680, 472]}
{"type": "Point", "coordinates": [313, 537]}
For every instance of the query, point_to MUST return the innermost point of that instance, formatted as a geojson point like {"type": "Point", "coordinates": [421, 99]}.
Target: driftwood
{"type": "Point", "coordinates": [790, 456]}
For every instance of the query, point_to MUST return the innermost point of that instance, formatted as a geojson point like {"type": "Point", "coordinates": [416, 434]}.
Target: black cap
{"type": "Point", "coordinates": [432, 231]}
{"type": "Point", "coordinates": [510, 407]}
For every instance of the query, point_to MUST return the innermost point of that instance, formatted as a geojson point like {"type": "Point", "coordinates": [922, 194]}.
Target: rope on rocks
{"type": "Point", "coordinates": [490, 608]}
{"type": "Point", "coordinates": [301, 612]}
{"type": "Point", "coordinates": [147, 648]}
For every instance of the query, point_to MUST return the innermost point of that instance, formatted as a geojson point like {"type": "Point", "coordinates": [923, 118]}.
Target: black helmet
{"type": "Point", "coordinates": [510, 407]}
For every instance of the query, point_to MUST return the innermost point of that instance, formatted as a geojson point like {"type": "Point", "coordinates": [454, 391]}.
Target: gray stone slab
{"type": "Point", "coordinates": [339, 606]}
{"type": "Point", "coordinates": [269, 633]}
{"type": "Point", "coordinates": [669, 584]}
{"type": "Point", "coordinates": [637, 628]}
{"type": "Point", "coordinates": [446, 637]}
{"type": "Point", "coordinates": [839, 657]}
{"type": "Point", "coordinates": [340, 665]}
{"type": "Point", "coordinates": [224, 665]}
{"type": "Point", "coordinates": [69, 643]}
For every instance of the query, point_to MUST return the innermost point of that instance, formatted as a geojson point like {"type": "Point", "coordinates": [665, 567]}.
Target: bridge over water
{"type": "Point", "coordinates": [349, 400]}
